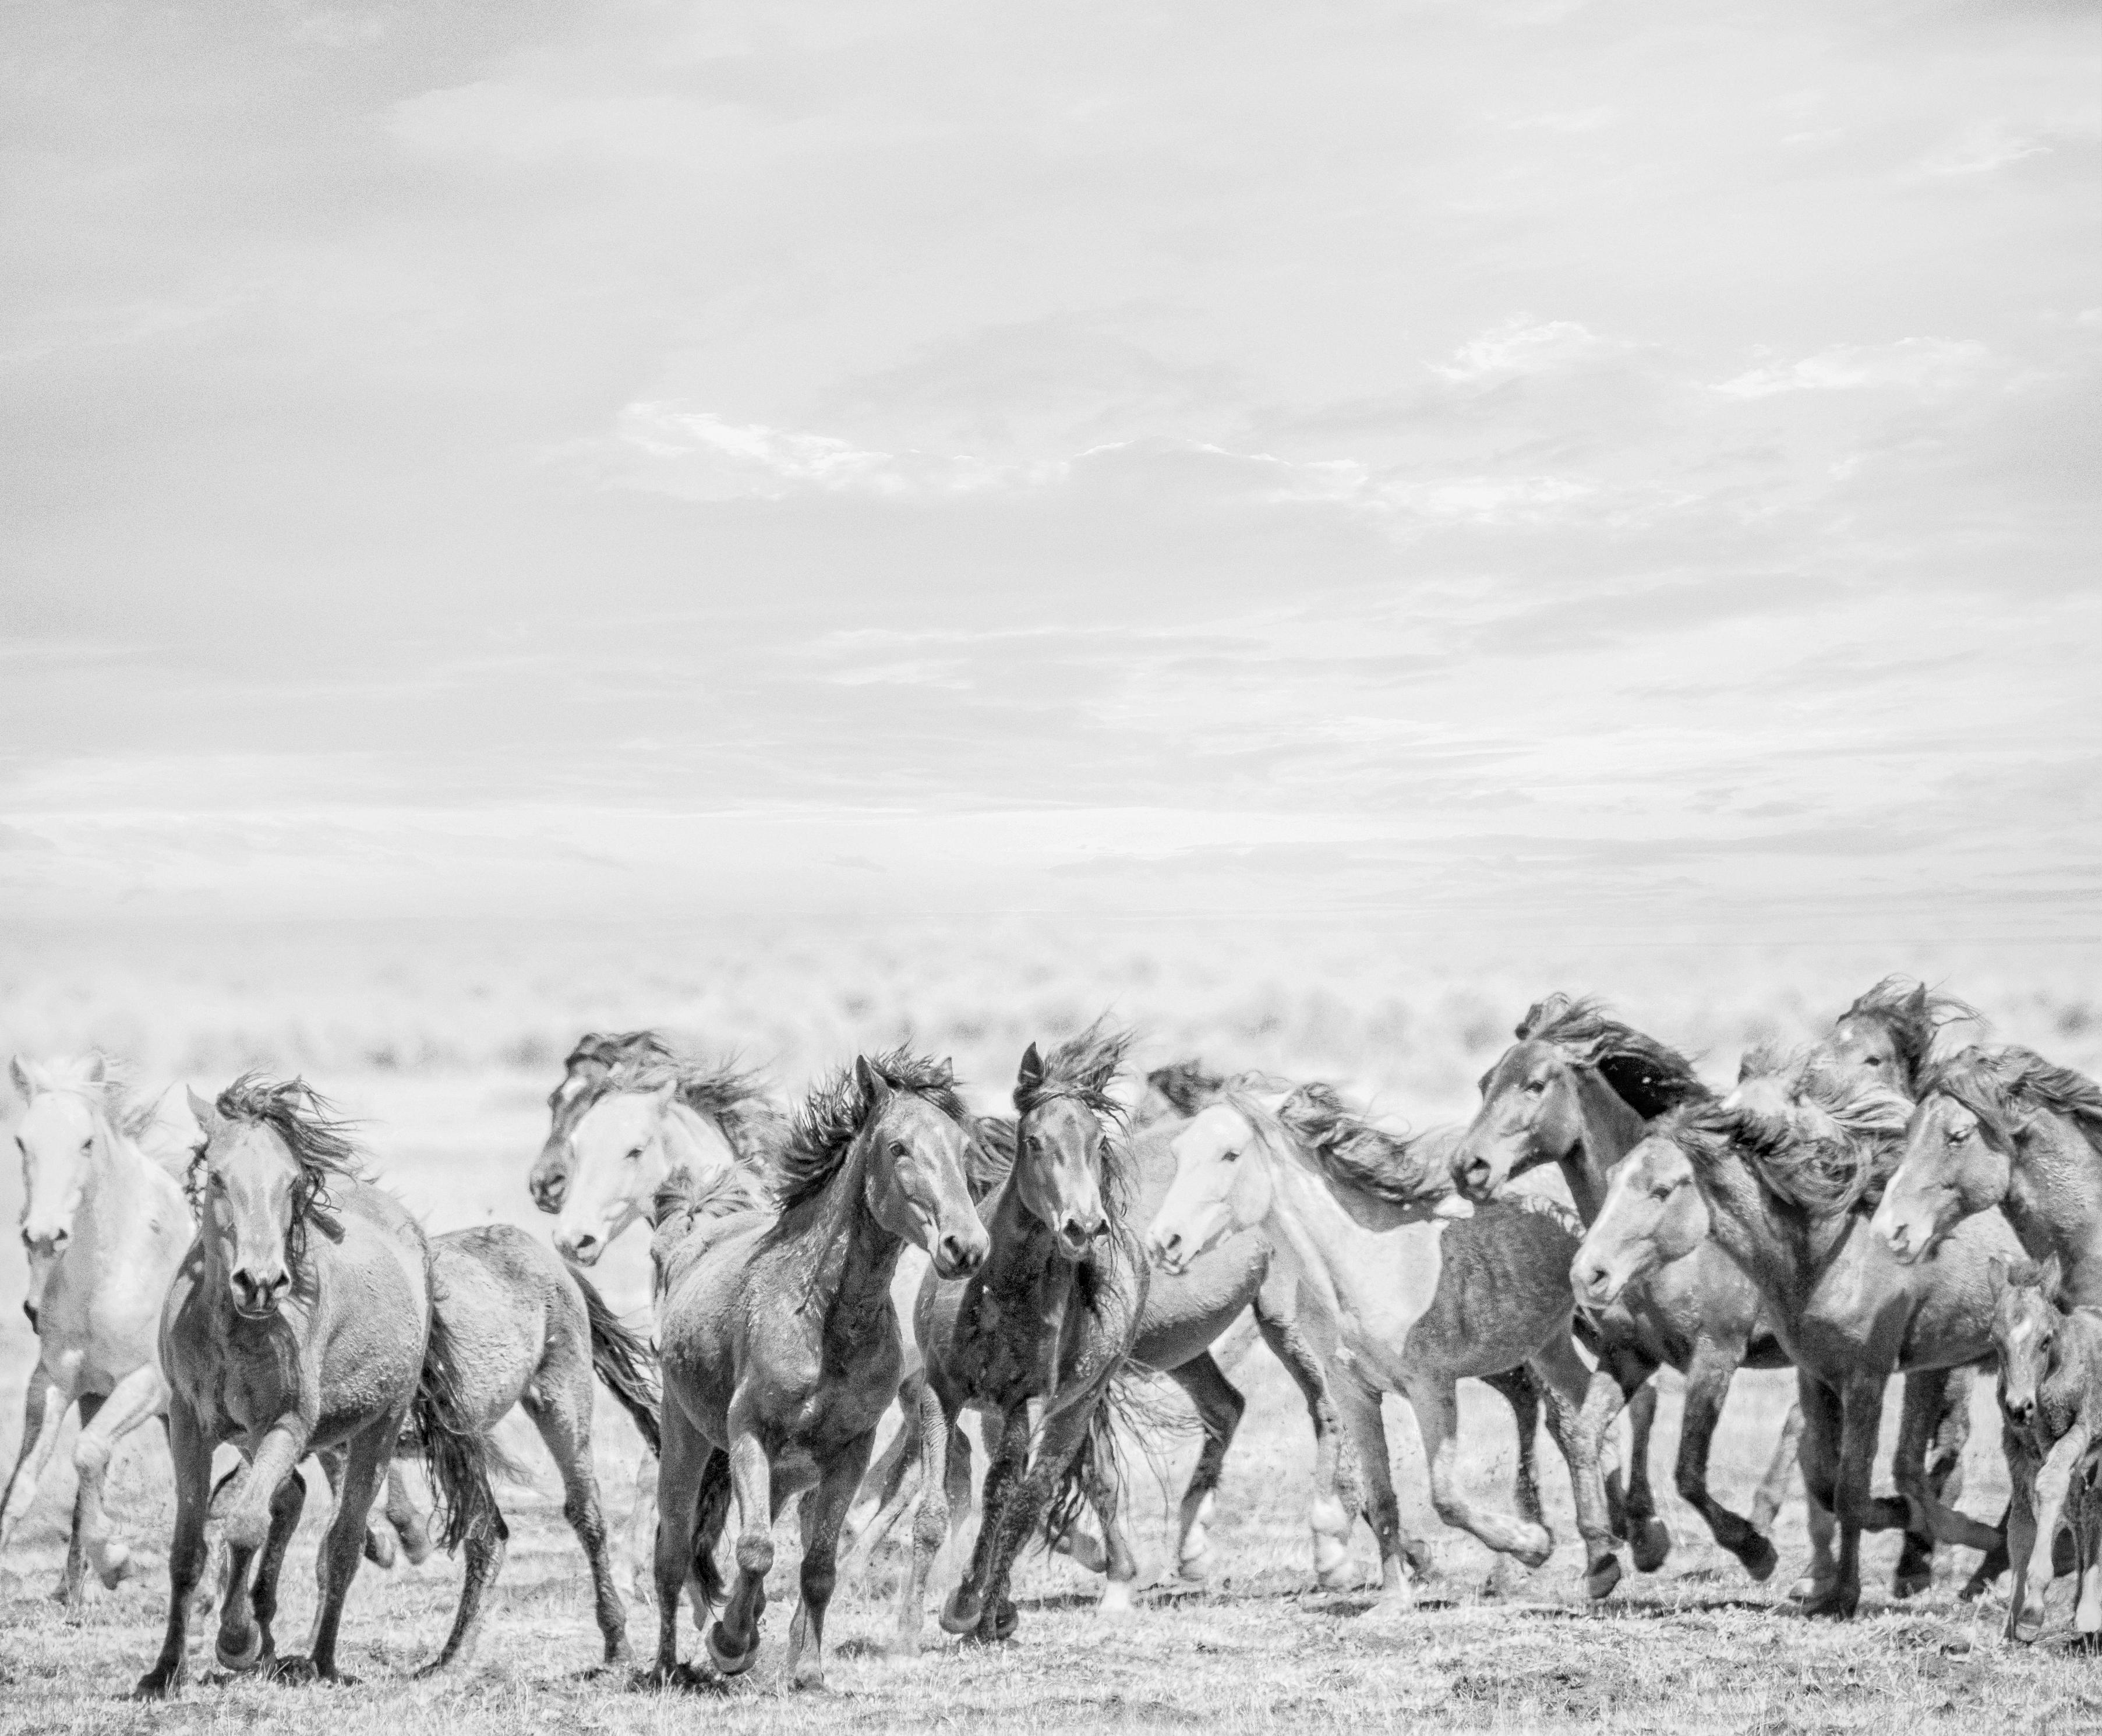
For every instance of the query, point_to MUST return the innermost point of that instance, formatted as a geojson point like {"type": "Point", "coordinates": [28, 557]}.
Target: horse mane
{"type": "Point", "coordinates": [736, 1100]}
{"type": "Point", "coordinates": [1996, 1085]}
{"type": "Point", "coordinates": [1650, 1077]}
{"type": "Point", "coordinates": [1347, 1148]}
{"type": "Point", "coordinates": [1185, 1084]}
{"type": "Point", "coordinates": [318, 1139]}
{"type": "Point", "coordinates": [1913, 1014]}
{"type": "Point", "coordinates": [106, 1081]}
{"type": "Point", "coordinates": [1830, 1145]}
{"type": "Point", "coordinates": [991, 1155]}
{"type": "Point", "coordinates": [824, 1127]}
{"type": "Point", "coordinates": [682, 1201]}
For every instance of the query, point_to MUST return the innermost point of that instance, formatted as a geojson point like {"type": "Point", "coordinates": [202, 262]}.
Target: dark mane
{"type": "Point", "coordinates": [824, 1128]}
{"type": "Point", "coordinates": [319, 1140]}
{"type": "Point", "coordinates": [991, 1154]}
{"type": "Point", "coordinates": [1997, 1085]}
{"type": "Point", "coordinates": [1186, 1085]}
{"type": "Point", "coordinates": [1820, 1141]}
{"type": "Point", "coordinates": [1081, 1069]}
{"type": "Point", "coordinates": [1913, 1015]}
{"type": "Point", "coordinates": [684, 1201]}
{"type": "Point", "coordinates": [1650, 1077]}
{"type": "Point", "coordinates": [1401, 1169]}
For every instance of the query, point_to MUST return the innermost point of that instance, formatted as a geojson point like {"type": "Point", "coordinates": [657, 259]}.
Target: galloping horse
{"type": "Point", "coordinates": [1050, 1316]}
{"type": "Point", "coordinates": [1420, 1301]}
{"type": "Point", "coordinates": [105, 1224]}
{"type": "Point", "coordinates": [300, 1320]}
{"type": "Point", "coordinates": [1772, 1175]}
{"type": "Point", "coordinates": [1578, 1089]}
{"type": "Point", "coordinates": [104, 1228]}
{"type": "Point", "coordinates": [780, 1346]}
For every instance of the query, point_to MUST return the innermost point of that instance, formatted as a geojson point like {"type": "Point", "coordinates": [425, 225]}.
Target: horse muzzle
{"type": "Point", "coordinates": [1595, 1286]}
{"type": "Point", "coordinates": [959, 1255]}
{"type": "Point", "coordinates": [257, 1297]}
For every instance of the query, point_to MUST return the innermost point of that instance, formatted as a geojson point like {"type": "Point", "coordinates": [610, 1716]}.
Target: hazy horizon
{"type": "Point", "coordinates": [1544, 467]}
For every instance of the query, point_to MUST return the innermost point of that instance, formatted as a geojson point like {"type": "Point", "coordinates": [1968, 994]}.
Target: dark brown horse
{"type": "Point", "coordinates": [1773, 1174]}
{"type": "Point", "coordinates": [1579, 1089]}
{"type": "Point", "coordinates": [1049, 1319]}
{"type": "Point", "coordinates": [300, 1321]}
{"type": "Point", "coordinates": [780, 1349]}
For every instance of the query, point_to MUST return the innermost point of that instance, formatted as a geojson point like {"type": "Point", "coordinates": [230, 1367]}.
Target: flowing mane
{"type": "Point", "coordinates": [106, 1082]}
{"type": "Point", "coordinates": [1913, 1015]}
{"type": "Point", "coordinates": [1815, 1139]}
{"type": "Point", "coordinates": [1998, 1085]}
{"type": "Point", "coordinates": [319, 1140]}
{"type": "Point", "coordinates": [736, 1101]}
{"type": "Point", "coordinates": [1650, 1077]}
{"type": "Point", "coordinates": [684, 1201]}
{"type": "Point", "coordinates": [1082, 1069]}
{"type": "Point", "coordinates": [991, 1155]}
{"type": "Point", "coordinates": [1185, 1084]}
{"type": "Point", "coordinates": [1401, 1169]}
{"type": "Point", "coordinates": [825, 1126]}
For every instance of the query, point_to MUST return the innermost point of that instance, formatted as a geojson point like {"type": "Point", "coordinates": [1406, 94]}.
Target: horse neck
{"type": "Point", "coordinates": [2055, 1203]}
{"type": "Point", "coordinates": [851, 1257]}
{"type": "Point", "coordinates": [1306, 1214]}
{"type": "Point", "coordinates": [1022, 1257]}
{"type": "Point", "coordinates": [1611, 1130]}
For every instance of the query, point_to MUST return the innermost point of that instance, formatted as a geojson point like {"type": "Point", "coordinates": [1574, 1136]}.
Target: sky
{"type": "Point", "coordinates": [1474, 466]}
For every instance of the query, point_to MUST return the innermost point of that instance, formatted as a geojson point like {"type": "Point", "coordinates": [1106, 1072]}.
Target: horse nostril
{"type": "Point", "coordinates": [30, 1310]}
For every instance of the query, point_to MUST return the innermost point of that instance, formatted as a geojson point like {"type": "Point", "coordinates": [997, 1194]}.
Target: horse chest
{"type": "Point", "coordinates": [1007, 1348]}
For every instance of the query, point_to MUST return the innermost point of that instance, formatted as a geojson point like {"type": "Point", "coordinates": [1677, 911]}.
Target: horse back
{"type": "Point", "coordinates": [505, 1300]}
{"type": "Point", "coordinates": [1503, 1289]}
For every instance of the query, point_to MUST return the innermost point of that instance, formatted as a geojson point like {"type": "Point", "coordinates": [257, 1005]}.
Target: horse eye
{"type": "Point", "coordinates": [1535, 1087]}
{"type": "Point", "coordinates": [635, 1155]}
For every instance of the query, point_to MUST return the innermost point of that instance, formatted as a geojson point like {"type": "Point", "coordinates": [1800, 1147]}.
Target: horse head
{"type": "Point", "coordinates": [1063, 1155]}
{"type": "Point", "coordinates": [2025, 1324]}
{"type": "Point", "coordinates": [617, 1162]}
{"type": "Point", "coordinates": [1223, 1180]}
{"type": "Point", "coordinates": [1531, 1114]}
{"type": "Point", "coordinates": [1653, 1214]}
{"type": "Point", "coordinates": [915, 1177]}
{"type": "Point", "coordinates": [1952, 1167]}
{"type": "Point", "coordinates": [548, 1180]}
{"type": "Point", "coordinates": [57, 1138]}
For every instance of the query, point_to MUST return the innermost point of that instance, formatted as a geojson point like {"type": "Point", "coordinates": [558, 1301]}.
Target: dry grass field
{"type": "Point", "coordinates": [446, 1044]}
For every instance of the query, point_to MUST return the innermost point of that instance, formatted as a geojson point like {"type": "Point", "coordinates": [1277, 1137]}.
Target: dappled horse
{"type": "Point", "coordinates": [106, 1224]}
{"type": "Point", "coordinates": [780, 1348]}
{"type": "Point", "coordinates": [300, 1320]}
{"type": "Point", "coordinates": [1049, 1319]}
{"type": "Point", "coordinates": [1773, 1174]}
{"type": "Point", "coordinates": [2050, 1410]}
{"type": "Point", "coordinates": [1420, 1300]}
{"type": "Point", "coordinates": [1578, 1089]}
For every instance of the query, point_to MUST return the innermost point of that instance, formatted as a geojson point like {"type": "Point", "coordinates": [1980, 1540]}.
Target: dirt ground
{"type": "Point", "coordinates": [1257, 1647]}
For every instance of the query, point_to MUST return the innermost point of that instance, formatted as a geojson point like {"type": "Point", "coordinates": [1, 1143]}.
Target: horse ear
{"type": "Point", "coordinates": [868, 1082]}
{"type": "Point", "coordinates": [95, 1069]}
{"type": "Point", "coordinates": [2048, 1277]}
{"type": "Point", "coordinates": [945, 1075]}
{"type": "Point", "coordinates": [205, 1111]}
{"type": "Point", "coordinates": [30, 1077]}
{"type": "Point", "coordinates": [1916, 1002]}
{"type": "Point", "coordinates": [1029, 1074]}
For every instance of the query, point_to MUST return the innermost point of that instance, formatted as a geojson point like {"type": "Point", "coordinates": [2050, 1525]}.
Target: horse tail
{"type": "Point", "coordinates": [623, 1360]}
{"type": "Point", "coordinates": [710, 1509]}
{"type": "Point", "coordinates": [455, 1448]}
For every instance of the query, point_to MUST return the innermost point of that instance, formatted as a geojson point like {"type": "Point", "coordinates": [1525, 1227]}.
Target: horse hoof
{"type": "Point", "coordinates": [1758, 1558]}
{"type": "Point", "coordinates": [1115, 1601]}
{"type": "Point", "coordinates": [118, 1565]}
{"type": "Point", "coordinates": [727, 1662]}
{"type": "Point", "coordinates": [158, 1685]}
{"type": "Point", "coordinates": [1197, 1566]}
{"type": "Point", "coordinates": [1538, 1546]}
{"type": "Point", "coordinates": [1600, 1581]}
{"type": "Point", "coordinates": [1340, 1576]}
{"type": "Point", "coordinates": [379, 1550]}
{"type": "Point", "coordinates": [1910, 1583]}
{"type": "Point", "coordinates": [1802, 1591]}
{"type": "Point", "coordinates": [960, 1612]}
{"type": "Point", "coordinates": [297, 1673]}
{"type": "Point", "coordinates": [1086, 1552]}
{"type": "Point", "coordinates": [808, 1677]}
{"type": "Point", "coordinates": [1836, 1604]}
{"type": "Point", "coordinates": [1651, 1544]}
{"type": "Point", "coordinates": [242, 1660]}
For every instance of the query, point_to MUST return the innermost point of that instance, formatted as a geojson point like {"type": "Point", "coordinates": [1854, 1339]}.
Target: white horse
{"type": "Point", "coordinates": [105, 1227]}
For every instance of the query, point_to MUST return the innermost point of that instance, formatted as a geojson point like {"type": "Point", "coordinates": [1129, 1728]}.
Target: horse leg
{"type": "Point", "coordinates": [824, 1512]}
{"type": "Point", "coordinates": [1219, 1407]}
{"type": "Point", "coordinates": [1819, 1456]}
{"type": "Point", "coordinates": [250, 1511]}
{"type": "Point", "coordinates": [2053, 1483]}
{"type": "Point", "coordinates": [404, 1519]}
{"type": "Point", "coordinates": [86, 1517]}
{"type": "Point", "coordinates": [964, 1607]}
{"type": "Point", "coordinates": [1401, 1557]}
{"type": "Point", "coordinates": [364, 1473]}
{"type": "Point", "coordinates": [642, 1530]}
{"type": "Point", "coordinates": [1521, 1391]}
{"type": "Point", "coordinates": [1336, 1496]}
{"type": "Point", "coordinates": [1120, 1571]}
{"type": "Point", "coordinates": [485, 1545]}
{"type": "Point", "coordinates": [1708, 1376]}
{"type": "Point", "coordinates": [2087, 1612]}
{"type": "Point", "coordinates": [1861, 1406]}
{"type": "Point", "coordinates": [41, 1421]}
{"type": "Point", "coordinates": [564, 1421]}
{"type": "Point", "coordinates": [1921, 1419]}
{"type": "Point", "coordinates": [931, 1426]}
{"type": "Point", "coordinates": [1566, 1384]}
{"type": "Point", "coordinates": [140, 1394]}
{"type": "Point", "coordinates": [891, 1477]}
{"type": "Point", "coordinates": [1060, 1435]}
{"type": "Point", "coordinates": [2021, 1526]}
{"type": "Point", "coordinates": [1437, 1406]}
{"type": "Point", "coordinates": [1773, 1486]}
{"type": "Point", "coordinates": [285, 1509]}
{"type": "Point", "coordinates": [1649, 1538]}
{"type": "Point", "coordinates": [733, 1642]}
{"type": "Point", "coordinates": [686, 1457]}
{"type": "Point", "coordinates": [190, 1449]}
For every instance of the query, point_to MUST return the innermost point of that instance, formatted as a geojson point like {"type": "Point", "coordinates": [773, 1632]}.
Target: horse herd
{"type": "Point", "coordinates": [1868, 1207]}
